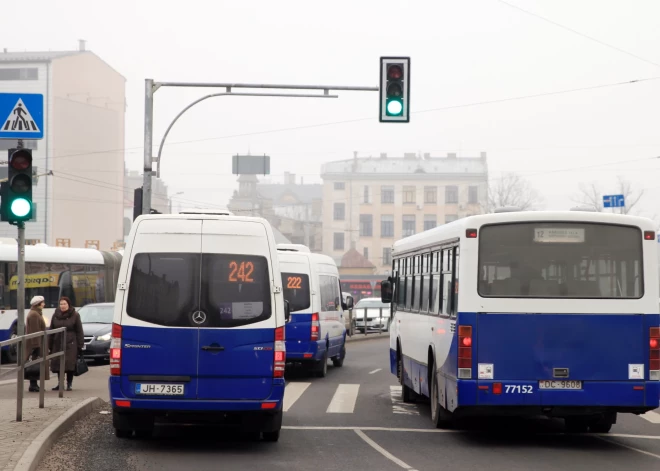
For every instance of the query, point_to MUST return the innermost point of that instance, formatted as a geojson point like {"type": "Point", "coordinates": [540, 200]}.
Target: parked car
{"type": "Point", "coordinates": [377, 313]}
{"type": "Point", "coordinates": [97, 327]}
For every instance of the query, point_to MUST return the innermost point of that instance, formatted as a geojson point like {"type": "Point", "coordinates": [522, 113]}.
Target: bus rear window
{"type": "Point", "coordinates": [296, 291]}
{"type": "Point", "coordinates": [560, 260]}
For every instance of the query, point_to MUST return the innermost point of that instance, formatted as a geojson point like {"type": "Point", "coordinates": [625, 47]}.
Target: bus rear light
{"type": "Point", "coordinates": [115, 350]}
{"type": "Point", "coordinates": [654, 354]}
{"type": "Point", "coordinates": [465, 351]}
{"type": "Point", "coordinates": [497, 388]}
{"type": "Point", "coordinates": [649, 235]}
{"type": "Point", "coordinates": [471, 233]}
{"type": "Point", "coordinates": [315, 327]}
{"type": "Point", "coordinates": [279, 355]}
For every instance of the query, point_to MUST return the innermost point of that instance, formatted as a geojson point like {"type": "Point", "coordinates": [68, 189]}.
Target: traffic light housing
{"type": "Point", "coordinates": [17, 192]}
{"type": "Point", "coordinates": [394, 90]}
{"type": "Point", "coordinates": [137, 204]}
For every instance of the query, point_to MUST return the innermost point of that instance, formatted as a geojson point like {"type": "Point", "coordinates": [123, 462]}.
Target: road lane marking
{"type": "Point", "coordinates": [343, 402]}
{"type": "Point", "coordinates": [382, 451]}
{"type": "Point", "coordinates": [375, 371]}
{"type": "Point", "coordinates": [292, 393]}
{"type": "Point", "coordinates": [369, 429]}
{"type": "Point", "coordinates": [651, 416]}
{"type": "Point", "coordinates": [398, 406]}
{"type": "Point", "coordinates": [644, 452]}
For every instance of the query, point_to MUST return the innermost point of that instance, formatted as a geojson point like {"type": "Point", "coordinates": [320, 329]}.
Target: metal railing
{"type": "Point", "coordinates": [382, 326]}
{"type": "Point", "coordinates": [21, 365]}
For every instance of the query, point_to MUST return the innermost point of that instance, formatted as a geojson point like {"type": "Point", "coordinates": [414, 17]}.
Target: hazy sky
{"type": "Point", "coordinates": [462, 52]}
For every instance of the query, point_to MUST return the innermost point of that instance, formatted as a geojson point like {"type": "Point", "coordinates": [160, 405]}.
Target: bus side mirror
{"type": "Point", "coordinates": [386, 291]}
{"type": "Point", "coordinates": [349, 302]}
{"type": "Point", "coordinates": [287, 311]}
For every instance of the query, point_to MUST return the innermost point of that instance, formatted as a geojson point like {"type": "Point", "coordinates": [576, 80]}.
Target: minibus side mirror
{"type": "Point", "coordinates": [349, 302]}
{"type": "Point", "coordinates": [386, 291]}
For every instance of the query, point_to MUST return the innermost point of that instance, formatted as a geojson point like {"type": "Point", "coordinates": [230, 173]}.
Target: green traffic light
{"type": "Point", "coordinates": [20, 207]}
{"type": "Point", "coordinates": [394, 107]}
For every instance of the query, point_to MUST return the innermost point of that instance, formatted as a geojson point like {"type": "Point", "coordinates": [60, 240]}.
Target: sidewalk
{"type": "Point", "coordinates": [357, 336]}
{"type": "Point", "coordinates": [15, 437]}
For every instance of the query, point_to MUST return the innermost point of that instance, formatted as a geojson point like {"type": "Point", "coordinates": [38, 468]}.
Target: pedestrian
{"type": "Point", "coordinates": [35, 323]}
{"type": "Point", "coordinates": [66, 316]}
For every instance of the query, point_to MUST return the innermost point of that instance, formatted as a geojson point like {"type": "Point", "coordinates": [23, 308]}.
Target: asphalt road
{"type": "Point", "coordinates": [354, 418]}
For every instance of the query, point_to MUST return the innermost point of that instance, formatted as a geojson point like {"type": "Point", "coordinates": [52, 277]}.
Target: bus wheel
{"type": "Point", "coordinates": [408, 395]}
{"type": "Point", "coordinates": [322, 367]}
{"type": "Point", "coordinates": [338, 361]}
{"type": "Point", "coordinates": [440, 417]}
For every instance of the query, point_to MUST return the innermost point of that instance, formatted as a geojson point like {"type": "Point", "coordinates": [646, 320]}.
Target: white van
{"type": "Point", "coordinates": [198, 328]}
{"type": "Point", "coordinates": [316, 331]}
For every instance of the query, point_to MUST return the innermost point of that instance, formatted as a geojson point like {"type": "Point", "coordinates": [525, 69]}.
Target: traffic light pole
{"type": "Point", "coordinates": [151, 87]}
{"type": "Point", "coordinates": [20, 288]}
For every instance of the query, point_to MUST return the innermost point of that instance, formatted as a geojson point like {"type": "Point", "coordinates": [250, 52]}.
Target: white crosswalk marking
{"type": "Point", "coordinates": [398, 406]}
{"type": "Point", "coordinates": [292, 393]}
{"type": "Point", "coordinates": [343, 402]}
{"type": "Point", "coordinates": [652, 417]}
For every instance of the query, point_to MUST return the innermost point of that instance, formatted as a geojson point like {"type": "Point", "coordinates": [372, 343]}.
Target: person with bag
{"type": "Point", "coordinates": [34, 323]}
{"type": "Point", "coordinates": [66, 316]}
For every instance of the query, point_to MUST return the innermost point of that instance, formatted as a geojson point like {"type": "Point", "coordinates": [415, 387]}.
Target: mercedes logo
{"type": "Point", "coordinates": [199, 317]}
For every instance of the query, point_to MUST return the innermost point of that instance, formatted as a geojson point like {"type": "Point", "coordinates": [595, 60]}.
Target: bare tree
{"type": "Point", "coordinates": [591, 195]}
{"type": "Point", "coordinates": [512, 190]}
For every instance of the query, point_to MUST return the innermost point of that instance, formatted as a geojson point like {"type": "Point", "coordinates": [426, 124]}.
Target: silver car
{"type": "Point", "coordinates": [377, 315]}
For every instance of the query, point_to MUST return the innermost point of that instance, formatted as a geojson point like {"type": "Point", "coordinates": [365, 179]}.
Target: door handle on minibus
{"type": "Point", "coordinates": [213, 348]}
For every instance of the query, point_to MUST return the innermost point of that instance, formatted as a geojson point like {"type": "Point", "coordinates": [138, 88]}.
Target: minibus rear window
{"type": "Point", "coordinates": [295, 287]}
{"type": "Point", "coordinates": [236, 289]}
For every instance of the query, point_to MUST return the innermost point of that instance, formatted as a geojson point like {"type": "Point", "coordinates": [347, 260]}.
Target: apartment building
{"type": "Point", "coordinates": [370, 202]}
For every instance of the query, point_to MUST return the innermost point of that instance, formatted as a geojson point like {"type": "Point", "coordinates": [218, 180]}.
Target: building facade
{"type": "Point", "coordinates": [369, 203]}
{"type": "Point", "coordinates": [82, 203]}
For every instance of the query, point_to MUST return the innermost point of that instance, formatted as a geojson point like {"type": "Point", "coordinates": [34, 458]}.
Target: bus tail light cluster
{"type": "Point", "coordinates": [316, 325]}
{"type": "Point", "coordinates": [654, 354]}
{"type": "Point", "coordinates": [465, 351]}
{"type": "Point", "coordinates": [115, 351]}
{"type": "Point", "coordinates": [279, 354]}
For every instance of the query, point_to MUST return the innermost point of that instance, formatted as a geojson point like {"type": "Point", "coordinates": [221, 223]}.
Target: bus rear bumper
{"type": "Point", "coordinates": [634, 397]}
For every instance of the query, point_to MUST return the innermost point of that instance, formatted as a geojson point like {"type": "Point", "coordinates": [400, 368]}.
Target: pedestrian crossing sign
{"type": "Point", "coordinates": [21, 116]}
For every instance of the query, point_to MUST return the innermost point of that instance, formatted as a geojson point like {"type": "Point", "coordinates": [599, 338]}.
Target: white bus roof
{"type": "Point", "coordinates": [9, 253]}
{"type": "Point", "coordinates": [457, 228]}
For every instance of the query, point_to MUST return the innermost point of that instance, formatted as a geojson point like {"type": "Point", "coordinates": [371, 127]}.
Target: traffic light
{"type": "Point", "coordinates": [17, 195]}
{"type": "Point", "coordinates": [137, 202]}
{"type": "Point", "coordinates": [394, 89]}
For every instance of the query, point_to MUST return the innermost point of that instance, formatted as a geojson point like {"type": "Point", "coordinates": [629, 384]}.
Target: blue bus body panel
{"type": "Point", "coordinates": [297, 337]}
{"type": "Point", "coordinates": [148, 351]}
{"type": "Point", "coordinates": [243, 370]}
{"type": "Point", "coordinates": [593, 347]}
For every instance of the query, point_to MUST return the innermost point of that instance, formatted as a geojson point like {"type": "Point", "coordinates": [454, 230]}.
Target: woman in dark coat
{"type": "Point", "coordinates": [66, 316]}
{"type": "Point", "coordinates": [35, 323]}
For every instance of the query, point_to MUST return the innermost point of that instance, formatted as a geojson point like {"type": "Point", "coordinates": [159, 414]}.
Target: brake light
{"type": "Point", "coordinates": [465, 351]}
{"type": "Point", "coordinates": [115, 351]}
{"type": "Point", "coordinates": [279, 358]}
{"type": "Point", "coordinates": [316, 325]}
{"type": "Point", "coordinates": [654, 354]}
{"type": "Point", "coordinates": [649, 235]}
{"type": "Point", "coordinates": [497, 388]}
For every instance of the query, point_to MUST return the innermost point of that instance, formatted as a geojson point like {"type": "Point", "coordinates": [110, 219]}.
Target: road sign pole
{"type": "Point", "coordinates": [148, 144]}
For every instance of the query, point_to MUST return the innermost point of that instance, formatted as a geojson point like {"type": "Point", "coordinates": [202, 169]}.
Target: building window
{"type": "Point", "coordinates": [366, 225]}
{"type": "Point", "coordinates": [430, 221]}
{"type": "Point", "coordinates": [451, 218]}
{"type": "Point", "coordinates": [365, 252]}
{"type": "Point", "coordinates": [473, 195]}
{"type": "Point", "coordinates": [387, 194]}
{"type": "Point", "coordinates": [387, 225]}
{"type": "Point", "coordinates": [365, 196]}
{"type": "Point", "coordinates": [431, 194]}
{"type": "Point", "coordinates": [408, 195]}
{"type": "Point", "coordinates": [19, 74]}
{"type": "Point", "coordinates": [387, 255]}
{"type": "Point", "coordinates": [340, 186]}
{"type": "Point", "coordinates": [451, 195]}
{"type": "Point", "coordinates": [338, 241]}
{"type": "Point", "coordinates": [408, 225]}
{"type": "Point", "coordinates": [340, 211]}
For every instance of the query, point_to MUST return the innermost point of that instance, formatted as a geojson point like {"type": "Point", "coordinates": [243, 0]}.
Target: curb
{"type": "Point", "coordinates": [362, 337]}
{"type": "Point", "coordinates": [40, 445]}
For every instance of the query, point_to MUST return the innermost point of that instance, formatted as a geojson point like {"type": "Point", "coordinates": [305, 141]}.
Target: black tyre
{"type": "Point", "coordinates": [144, 433]}
{"type": "Point", "coordinates": [338, 361]}
{"type": "Point", "coordinates": [408, 395]}
{"type": "Point", "coordinates": [123, 433]}
{"type": "Point", "coordinates": [271, 436]}
{"type": "Point", "coordinates": [322, 367]}
{"type": "Point", "coordinates": [440, 417]}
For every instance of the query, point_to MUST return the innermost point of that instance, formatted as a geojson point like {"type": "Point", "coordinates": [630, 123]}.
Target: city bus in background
{"type": "Point", "coordinates": [83, 275]}
{"type": "Point", "coordinates": [526, 314]}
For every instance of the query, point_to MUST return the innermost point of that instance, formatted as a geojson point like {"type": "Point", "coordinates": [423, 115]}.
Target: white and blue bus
{"type": "Point", "coordinates": [528, 313]}
{"type": "Point", "coordinates": [83, 275]}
